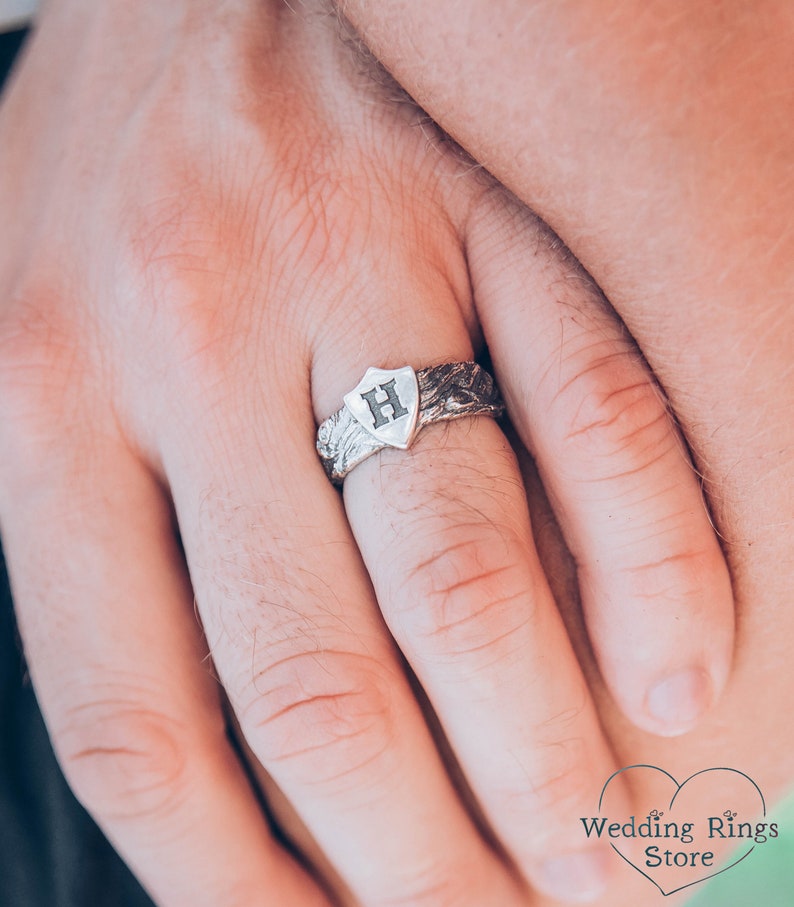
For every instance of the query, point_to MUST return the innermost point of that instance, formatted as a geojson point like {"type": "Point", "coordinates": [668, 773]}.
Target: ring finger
{"type": "Point", "coordinates": [445, 533]}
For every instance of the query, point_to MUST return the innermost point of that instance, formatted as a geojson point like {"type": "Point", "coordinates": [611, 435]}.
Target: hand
{"type": "Point", "coordinates": [218, 225]}
{"type": "Point", "coordinates": [656, 139]}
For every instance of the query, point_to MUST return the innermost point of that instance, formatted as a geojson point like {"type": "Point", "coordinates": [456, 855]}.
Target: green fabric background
{"type": "Point", "coordinates": [765, 878]}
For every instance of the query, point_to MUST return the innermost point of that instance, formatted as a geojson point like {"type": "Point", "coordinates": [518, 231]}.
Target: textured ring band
{"type": "Point", "coordinates": [389, 407]}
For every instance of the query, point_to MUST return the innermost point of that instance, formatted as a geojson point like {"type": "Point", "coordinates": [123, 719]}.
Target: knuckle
{"type": "Point", "coordinates": [41, 370]}
{"type": "Point", "coordinates": [178, 270]}
{"type": "Point", "coordinates": [323, 716]}
{"type": "Point", "coordinates": [123, 760]}
{"type": "Point", "coordinates": [561, 786]}
{"type": "Point", "coordinates": [689, 576]}
{"type": "Point", "coordinates": [30, 353]}
{"type": "Point", "coordinates": [435, 886]}
{"type": "Point", "coordinates": [200, 267]}
{"type": "Point", "coordinates": [609, 409]}
{"type": "Point", "coordinates": [472, 596]}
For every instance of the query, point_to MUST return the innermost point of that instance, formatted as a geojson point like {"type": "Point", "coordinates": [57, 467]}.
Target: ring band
{"type": "Point", "coordinates": [389, 407]}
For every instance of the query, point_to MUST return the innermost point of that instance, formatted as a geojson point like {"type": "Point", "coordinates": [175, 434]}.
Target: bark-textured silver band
{"type": "Point", "coordinates": [443, 392]}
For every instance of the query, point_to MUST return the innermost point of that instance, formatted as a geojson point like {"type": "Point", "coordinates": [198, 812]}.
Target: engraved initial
{"type": "Point", "coordinates": [378, 407]}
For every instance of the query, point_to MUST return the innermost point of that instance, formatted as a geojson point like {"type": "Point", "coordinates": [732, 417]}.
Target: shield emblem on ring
{"type": "Point", "coordinates": [385, 403]}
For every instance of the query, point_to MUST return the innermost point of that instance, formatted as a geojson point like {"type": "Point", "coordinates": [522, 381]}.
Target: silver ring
{"type": "Point", "coordinates": [389, 407]}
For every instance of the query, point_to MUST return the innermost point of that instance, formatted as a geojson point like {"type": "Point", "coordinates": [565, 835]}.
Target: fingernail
{"type": "Point", "coordinates": [577, 877]}
{"type": "Point", "coordinates": [678, 701]}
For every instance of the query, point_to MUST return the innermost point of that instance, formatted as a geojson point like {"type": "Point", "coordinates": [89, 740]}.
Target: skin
{"type": "Point", "coordinates": [190, 241]}
{"type": "Point", "coordinates": [657, 140]}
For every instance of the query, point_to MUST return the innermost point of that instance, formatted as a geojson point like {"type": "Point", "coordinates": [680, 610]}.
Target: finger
{"type": "Point", "coordinates": [654, 584]}
{"type": "Point", "coordinates": [444, 531]}
{"type": "Point", "coordinates": [299, 644]}
{"type": "Point", "coordinates": [448, 542]}
{"type": "Point", "coordinates": [121, 673]}
{"type": "Point", "coordinates": [290, 824]}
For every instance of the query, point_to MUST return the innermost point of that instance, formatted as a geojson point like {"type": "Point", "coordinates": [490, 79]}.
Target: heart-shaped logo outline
{"type": "Point", "coordinates": [679, 788]}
